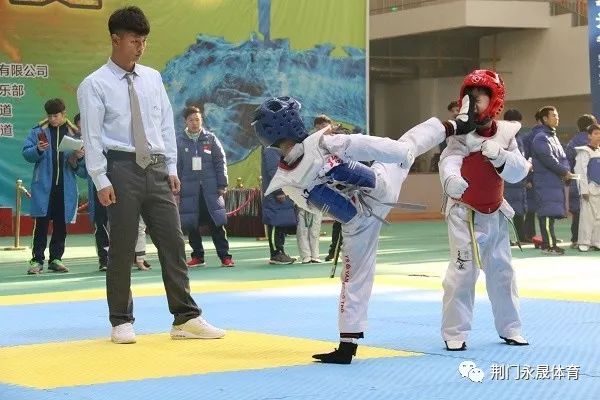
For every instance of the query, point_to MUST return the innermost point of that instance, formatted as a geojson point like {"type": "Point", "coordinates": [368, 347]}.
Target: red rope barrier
{"type": "Point", "coordinates": [253, 193]}
{"type": "Point", "coordinates": [244, 204]}
{"type": "Point", "coordinates": [82, 207]}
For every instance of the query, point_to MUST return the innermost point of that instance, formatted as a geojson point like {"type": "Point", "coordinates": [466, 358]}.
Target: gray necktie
{"type": "Point", "coordinates": [142, 152]}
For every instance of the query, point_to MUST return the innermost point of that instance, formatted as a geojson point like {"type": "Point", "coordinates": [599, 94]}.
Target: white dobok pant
{"type": "Point", "coordinates": [361, 240]}
{"type": "Point", "coordinates": [361, 234]}
{"type": "Point", "coordinates": [589, 222]}
{"type": "Point", "coordinates": [493, 251]}
{"type": "Point", "coordinates": [308, 231]}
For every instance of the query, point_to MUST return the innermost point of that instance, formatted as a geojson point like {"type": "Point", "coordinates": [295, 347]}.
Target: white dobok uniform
{"type": "Point", "coordinates": [491, 249]}
{"type": "Point", "coordinates": [586, 165]}
{"type": "Point", "coordinates": [361, 234]}
{"type": "Point", "coordinates": [308, 232]}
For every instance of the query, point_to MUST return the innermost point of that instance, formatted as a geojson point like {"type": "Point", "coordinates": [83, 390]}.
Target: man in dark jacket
{"type": "Point", "coordinates": [530, 219]}
{"type": "Point", "coordinates": [202, 168]}
{"type": "Point", "coordinates": [550, 172]}
{"type": "Point", "coordinates": [579, 139]}
{"type": "Point", "coordinates": [278, 211]}
{"type": "Point", "coordinates": [515, 193]}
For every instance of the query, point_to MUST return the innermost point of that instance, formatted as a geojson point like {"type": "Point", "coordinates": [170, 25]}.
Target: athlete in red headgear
{"type": "Point", "coordinates": [491, 83]}
{"type": "Point", "coordinates": [473, 169]}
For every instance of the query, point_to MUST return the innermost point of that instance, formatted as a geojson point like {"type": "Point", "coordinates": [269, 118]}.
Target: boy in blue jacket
{"type": "Point", "coordinates": [53, 186]}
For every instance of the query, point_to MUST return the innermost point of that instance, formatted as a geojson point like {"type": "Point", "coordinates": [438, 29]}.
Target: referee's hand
{"type": "Point", "coordinates": [107, 196]}
{"type": "Point", "coordinates": [174, 184]}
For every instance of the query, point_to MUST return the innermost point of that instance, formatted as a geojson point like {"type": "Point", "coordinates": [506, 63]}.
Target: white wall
{"type": "Point", "coordinates": [541, 63]}
{"type": "Point", "coordinates": [399, 107]}
{"type": "Point", "coordinates": [539, 67]}
{"type": "Point", "coordinates": [424, 189]}
{"type": "Point", "coordinates": [457, 14]}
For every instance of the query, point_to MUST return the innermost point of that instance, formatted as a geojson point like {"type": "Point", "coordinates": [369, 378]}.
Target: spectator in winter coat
{"type": "Point", "coordinates": [278, 211]}
{"type": "Point", "coordinates": [202, 169]}
{"type": "Point", "coordinates": [550, 172]}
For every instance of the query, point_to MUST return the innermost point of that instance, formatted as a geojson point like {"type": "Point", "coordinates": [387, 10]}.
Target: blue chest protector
{"type": "Point", "coordinates": [593, 170]}
{"type": "Point", "coordinates": [330, 197]}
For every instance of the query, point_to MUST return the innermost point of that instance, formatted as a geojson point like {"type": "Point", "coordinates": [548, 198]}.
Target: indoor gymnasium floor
{"type": "Point", "coordinates": [54, 330]}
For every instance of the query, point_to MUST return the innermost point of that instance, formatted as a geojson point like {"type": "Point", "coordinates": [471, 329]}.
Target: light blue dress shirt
{"type": "Point", "coordinates": [103, 99]}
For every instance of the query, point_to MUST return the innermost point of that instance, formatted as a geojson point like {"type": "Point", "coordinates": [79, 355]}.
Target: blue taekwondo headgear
{"type": "Point", "coordinates": [279, 118]}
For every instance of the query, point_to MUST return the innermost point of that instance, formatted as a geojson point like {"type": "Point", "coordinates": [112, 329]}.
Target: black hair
{"type": "Point", "coordinates": [129, 19]}
{"type": "Point", "coordinates": [189, 110]}
{"type": "Point", "coordinates": [486, 90]}
{"type": "Point", "coordinates": [593, 127]}
{"type": "Point", "coordinates": [584, 121]}
{"type": "Point", "coordinates": [513, 115]}
{"type": "Point", "coordinates": [54, 106]}
{"type": "Point", "coordinates": [545, 111]}
{"type": "Point", "coordinates": [452, 104]}
{"type": "Point", "coordinates": [322, 119]}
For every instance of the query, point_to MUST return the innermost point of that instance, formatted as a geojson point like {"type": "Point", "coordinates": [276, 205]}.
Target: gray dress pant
{"type": "Point", "coordinates": [144, 192]}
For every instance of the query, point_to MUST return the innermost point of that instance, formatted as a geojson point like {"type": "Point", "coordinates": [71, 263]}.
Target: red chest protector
{"type": "Point", "coordinates": [486, 188]}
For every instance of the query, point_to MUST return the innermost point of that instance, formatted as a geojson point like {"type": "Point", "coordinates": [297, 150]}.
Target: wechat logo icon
{"type": "Point", "coordinates": [468, 369]}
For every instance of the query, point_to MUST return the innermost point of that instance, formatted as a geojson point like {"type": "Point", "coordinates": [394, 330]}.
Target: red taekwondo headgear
{"type": "Point", "coordinates": [484, 78]}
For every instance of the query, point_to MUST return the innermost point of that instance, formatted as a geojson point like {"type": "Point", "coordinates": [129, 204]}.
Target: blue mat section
{"type": "Point", "coordinates": [561, 333]}
{"type": "Point", "coordinates": [426, 377]}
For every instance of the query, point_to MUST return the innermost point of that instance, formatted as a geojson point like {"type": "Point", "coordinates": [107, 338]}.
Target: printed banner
{"type": "Point", "coordinates": [224, 55]}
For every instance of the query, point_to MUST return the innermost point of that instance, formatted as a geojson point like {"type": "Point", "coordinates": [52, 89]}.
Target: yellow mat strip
{"type": "Point", "coordinates": [408, 282]}
{"type": "Point", "coordinates": [88, 362]}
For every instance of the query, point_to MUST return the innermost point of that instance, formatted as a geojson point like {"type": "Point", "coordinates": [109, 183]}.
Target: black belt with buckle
{"type": "Point", "coordinates": [125, 155]}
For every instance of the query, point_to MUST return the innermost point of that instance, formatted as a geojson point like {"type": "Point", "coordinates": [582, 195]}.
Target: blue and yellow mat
{"type": "Point", "coordinates": [54, 341]}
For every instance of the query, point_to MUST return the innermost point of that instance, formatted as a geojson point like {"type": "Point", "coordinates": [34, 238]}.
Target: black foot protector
{"type": "Point", "coordinates": [342, 355]}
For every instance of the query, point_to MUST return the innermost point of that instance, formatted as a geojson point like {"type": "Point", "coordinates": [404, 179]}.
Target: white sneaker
{"type": "Point", "coordinates": [584, 247]}
{"type": "Point", "coordinates": [196, 328]}
{"type": "Point", "coordinates": [123, 334]}
{"type": "Point", "coordinates": [455, 345]}
{"type": "Point", "coordinates": [517, 340]}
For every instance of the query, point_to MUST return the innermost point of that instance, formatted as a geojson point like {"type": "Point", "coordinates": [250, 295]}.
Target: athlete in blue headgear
{"type": "Point", "coordinates": [321, 173]}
